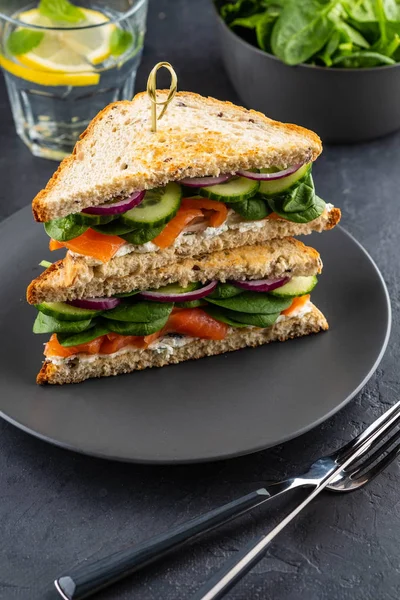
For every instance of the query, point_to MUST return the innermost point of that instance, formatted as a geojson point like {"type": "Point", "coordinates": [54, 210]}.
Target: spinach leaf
{"type": "Point", "coordinates": [362, 12]}
{"type": "Point", "coordinates": [300, 198]}
{"type": "Point", "coordinates": [391, 10]}
{"type": "Point", "coordinates": [330, 48]}
{"type": "Point", "coordinates": [225, 290]}
{"type": "Point", "coordinates": [351, 34]}
{"type": "Point", "coordinates": [190, 304]}
{"type": "Point", "coordinates": [142, 236]}
{"type": "Point", "coordinates": [363, 59]}
{"type": "Point", "coordinates": [264, 28]}
{"type": "Point", "coordinates": [305, 216]}
{"type": "Point", "coordinates": [248, 22]}
{"type": "Point", "coordinates": [340, 33]}
{"type": "Point", "coordinates": [241, 9]}
{"type": "Point", "coordinates": [249, 319]}
{"type": "Point", "coordinates": [100, 328]}
{"type": "Point", "coordinates": [262, 23]}
{"type": "Point", "coordinates": [64, 229]}
{"type": "Point", "coordinates": [137, 328]}
{"type": "Point", "coordinates": [302, 29]}
{"type": "Point", "coordinates": [254, 303]}
{"type": "Point", "coordinates": [392, 47]}
{"type": "Point", "coordinates": [116, 227]}
{"type": "Point", "coordinates": [219, 314]}
{"type": "Point", "coordinates": [253, 209]}
{"type": "Point", "coordinates": [46, 324]}
{"type": "Point", "coordinates": [139, 312]}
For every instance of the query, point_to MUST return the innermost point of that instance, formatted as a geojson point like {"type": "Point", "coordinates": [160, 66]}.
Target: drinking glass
{"type": "Point", "coordinates": [61, 72]}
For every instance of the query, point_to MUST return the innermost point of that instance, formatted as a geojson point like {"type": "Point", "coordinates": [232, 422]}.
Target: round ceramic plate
{"type": "Point", "coordinates": [208, 409]}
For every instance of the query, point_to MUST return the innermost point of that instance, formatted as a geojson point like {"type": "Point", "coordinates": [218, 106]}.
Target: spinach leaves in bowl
{"type": "Point", "coordinates": [333, 33]}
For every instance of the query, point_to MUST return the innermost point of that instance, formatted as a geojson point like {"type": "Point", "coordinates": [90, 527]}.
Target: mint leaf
{"type": "Point", "coordinates": [61, 10]}
{"type": "Point", "coordinates": [22, 41]}
{"type": "Point", "coordinates": [120, 40]}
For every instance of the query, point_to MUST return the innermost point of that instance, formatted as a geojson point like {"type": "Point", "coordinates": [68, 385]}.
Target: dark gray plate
{"type": "Point", "coordinates": [208, 409]}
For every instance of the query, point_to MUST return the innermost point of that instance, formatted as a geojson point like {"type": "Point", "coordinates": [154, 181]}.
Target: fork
{"type": "Point", "coordinates": [341, 477]}
{"type": "Point", "coordinates": [87, 579]}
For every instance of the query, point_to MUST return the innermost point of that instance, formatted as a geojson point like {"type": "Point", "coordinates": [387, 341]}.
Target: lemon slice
{"type": "Point", "coordinates": [68, 51]}
{"type": "Point", "coordinates": [49, 78]}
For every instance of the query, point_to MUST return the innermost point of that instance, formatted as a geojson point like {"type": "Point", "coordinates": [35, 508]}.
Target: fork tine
{"type": "Point", "coordinates": [343, 453]}
{"type": "Point", "coordinates": [371, 458]}
{"type": "Point", "coordinates": [378, 467]}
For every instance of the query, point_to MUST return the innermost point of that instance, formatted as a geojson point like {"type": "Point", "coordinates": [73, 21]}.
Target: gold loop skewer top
{"type": "Point", "coordinates": [152, 92]}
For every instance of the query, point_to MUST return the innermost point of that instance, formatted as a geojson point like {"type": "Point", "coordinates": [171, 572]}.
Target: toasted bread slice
{"type": "Point", "coordinates": [197, 136]}
{"type": "Point", "coordinates": [72, 278]}
{"type": "Point", "coordinates": [75, 370]}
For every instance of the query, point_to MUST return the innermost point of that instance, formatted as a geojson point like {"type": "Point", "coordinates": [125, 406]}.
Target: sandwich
{"type": "Point", "coordinates": [179, 242]}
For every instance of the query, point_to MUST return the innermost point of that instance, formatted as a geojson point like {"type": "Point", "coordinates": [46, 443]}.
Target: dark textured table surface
{"type": "Point", "coordinates": [58, 508]}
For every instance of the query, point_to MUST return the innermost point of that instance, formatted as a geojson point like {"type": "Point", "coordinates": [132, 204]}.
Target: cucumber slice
{"type": "Point", "coordinates": [65, 312]}
{"type": "Point", "coordinates": [157, 207]}
{"type": "Point", "coordinates": [255, 303]}
{"type": "Point", "coordinates": [174, 288]}
{"type": "Point", "coordinates": [64, 229]}
{"type": "Point", "coordinates": [142, 235]}
{"type": "Point", "coordinates": [45, 263]}
{"type": "Point", "coordinates": [127, 294]}
{"type": "Point", "coordinates": [66, 339]}
{"type": "Point", "coordinates": [276, 187]}
{"type": "Point", "coordinates": [46, 324]}
{"type": "Point", "coordinates": [114, 228]}
{"type": "Point", "coordinates": [139, 312]}
{"type": "Point", "coordinates": [137, 328]}
{"type": "Point", "coordinates": [90, 220]}
{"type": "Point", "coordinates": [235, 190]}
{"type": "Point", "coordinates": [297, 286]}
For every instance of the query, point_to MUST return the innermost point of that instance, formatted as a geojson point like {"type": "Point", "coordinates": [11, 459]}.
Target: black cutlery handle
{"type": "Point", "coordinates": [88, 579]}
{"type": "Point", "coordinates": [230, 573]}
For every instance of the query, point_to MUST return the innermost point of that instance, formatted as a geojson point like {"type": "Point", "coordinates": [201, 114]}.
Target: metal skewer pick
{"type": "Point", "coordinates": [152, 92]}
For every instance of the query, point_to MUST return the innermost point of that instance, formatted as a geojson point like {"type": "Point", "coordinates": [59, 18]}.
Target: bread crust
{"type": "Point", "coordinates": [198, 136]}
{"type": "Point", "coordinates": [71, 278]}
{"type": "Point", "coordinates": [76, 371]}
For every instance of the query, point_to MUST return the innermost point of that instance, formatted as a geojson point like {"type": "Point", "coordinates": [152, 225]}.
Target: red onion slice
{"type": "Point", "coordinates": [95, 303]}
{"type": "Point", "coordinates": [194, 295]}
{"type": "Point", "coordinates": [270, 176]}
{"type": "Point", "coordinates": [116, 208]}
{"type": "Point", "coordinates": [261, 285]}
{"type": "Point", "coordinates": [204, 181]}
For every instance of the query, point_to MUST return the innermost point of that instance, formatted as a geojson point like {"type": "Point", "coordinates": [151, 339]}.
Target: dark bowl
{"type": "Point", "coordinates": [341, 105]}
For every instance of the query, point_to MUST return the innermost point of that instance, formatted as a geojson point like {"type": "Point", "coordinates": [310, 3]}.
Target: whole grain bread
{"type": "Point", "coordinates": [72, 278]}
{"type": "Point", "coordinates": [197, 136]}
{"type": "Point", "coordinates": [74, 371]}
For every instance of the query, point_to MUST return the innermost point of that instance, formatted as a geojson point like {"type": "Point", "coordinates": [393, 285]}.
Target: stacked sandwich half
{"type": "Point", "coordinates": [179, 242]}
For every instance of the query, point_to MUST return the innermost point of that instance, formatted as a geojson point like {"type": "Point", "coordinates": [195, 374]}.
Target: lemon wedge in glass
{"type": "Point", "coordinates": [62, 48]}
{"type": "Point", "coordinates": [64, 56]}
